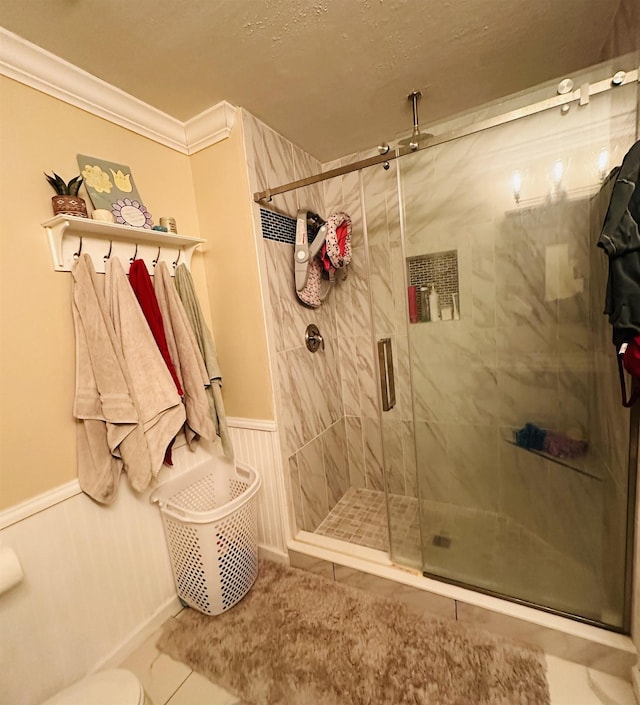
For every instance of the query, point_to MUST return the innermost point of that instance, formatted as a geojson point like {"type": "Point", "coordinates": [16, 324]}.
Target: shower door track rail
{"type": "Point", "coordinates": [581, 95]}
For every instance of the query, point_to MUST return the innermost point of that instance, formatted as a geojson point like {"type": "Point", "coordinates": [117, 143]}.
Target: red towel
{"type": "Point", "coordinates": [143, 288]}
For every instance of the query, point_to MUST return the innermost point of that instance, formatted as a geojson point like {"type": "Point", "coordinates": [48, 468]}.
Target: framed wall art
{"type": "Point", "coordinates": [111, 186]}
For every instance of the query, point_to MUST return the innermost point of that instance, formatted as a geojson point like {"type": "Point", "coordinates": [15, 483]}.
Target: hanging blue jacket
{"type": "Point", "coordinates": [620, 239]}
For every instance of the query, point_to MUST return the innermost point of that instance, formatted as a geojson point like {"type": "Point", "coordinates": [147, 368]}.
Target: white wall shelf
{"type": "Point", "coordinates": [69, 235]}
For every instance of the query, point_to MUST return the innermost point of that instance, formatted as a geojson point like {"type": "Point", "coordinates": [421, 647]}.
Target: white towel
{"type": "Point", "coordinates": [102, 404]}
{"type": "Point", "coordinates": [186, 357]}
{"type": "Point", "coordinates": [159, 406]}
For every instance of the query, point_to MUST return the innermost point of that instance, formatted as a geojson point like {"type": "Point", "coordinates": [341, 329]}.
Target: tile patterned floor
{"type": "Point", "coordinates": [168, 682]}
{"type": "Point", "coordinates": [360, 517]}
{"type": "Point", "coordinates": [469, 546]}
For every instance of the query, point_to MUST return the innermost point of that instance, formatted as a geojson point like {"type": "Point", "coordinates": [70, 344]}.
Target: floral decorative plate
{"type": "Point", "coordinates": [128, 212]}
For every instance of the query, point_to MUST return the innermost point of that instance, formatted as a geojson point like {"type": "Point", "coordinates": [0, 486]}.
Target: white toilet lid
{"type": "Point", "coordinates": [114, 687]}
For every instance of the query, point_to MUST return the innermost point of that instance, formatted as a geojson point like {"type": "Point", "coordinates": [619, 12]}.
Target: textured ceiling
{"type": "Point", "coordinates": [331, 75]}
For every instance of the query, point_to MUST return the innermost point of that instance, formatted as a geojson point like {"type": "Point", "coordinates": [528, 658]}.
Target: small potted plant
{"type": "Point", "coordinates": [66, 201]}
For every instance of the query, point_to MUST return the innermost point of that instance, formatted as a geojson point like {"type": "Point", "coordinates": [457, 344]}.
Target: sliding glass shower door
{"type": "Point", "coordinates": [392, 422]}
{"type": "Point", "coordinates": [507, 451]}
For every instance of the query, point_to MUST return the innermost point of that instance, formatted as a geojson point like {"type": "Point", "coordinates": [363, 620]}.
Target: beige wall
{"type": "Point", "coordinates": [39, 133]}
{"type": "Point", "coordinates": [224, 210]}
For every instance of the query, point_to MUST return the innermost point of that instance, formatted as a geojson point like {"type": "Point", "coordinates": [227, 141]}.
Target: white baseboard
{"type": "Point", "coordinates": [144, 631]}
{"type": "Point", "coordinates": [273, 554]}
{"type": "Point", "coordinates": [169, 609]}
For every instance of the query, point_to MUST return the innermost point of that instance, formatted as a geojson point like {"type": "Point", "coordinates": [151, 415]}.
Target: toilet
{"type": "Point", "coordinates": [113, 687]}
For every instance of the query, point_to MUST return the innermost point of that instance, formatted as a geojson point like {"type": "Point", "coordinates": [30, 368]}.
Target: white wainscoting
{"type": "Point", "coordinates": [97, 580]}
{"type": "Point", "coordinates": [94, 577]}
{"type": "Point", "coordinates": [257, 444]}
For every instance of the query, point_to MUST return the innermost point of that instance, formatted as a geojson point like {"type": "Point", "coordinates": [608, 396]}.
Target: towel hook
{"type": "Point", "coordinates": [175, 264]}
{"type": "Point", "coordinates": [108, 255]}
{"type": "Point", "coordinates": [79, 252]}
{"type": "Point", "coordinates": [135, 254]}
{"type": "Point", "coordinates": [155, 261]}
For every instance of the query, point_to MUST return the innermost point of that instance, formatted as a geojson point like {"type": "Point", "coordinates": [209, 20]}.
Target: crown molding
{"type": "Point", "coordinates": [37, 68]}
{"type": "Point", "coordinates": [209, 127]}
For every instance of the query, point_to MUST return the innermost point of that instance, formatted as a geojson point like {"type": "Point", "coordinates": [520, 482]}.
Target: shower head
{"type": "Point", "coordinates": [417, 139]}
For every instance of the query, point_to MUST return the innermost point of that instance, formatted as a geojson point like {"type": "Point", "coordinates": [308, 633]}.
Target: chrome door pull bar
{"type": "Point", "coordinates": [387, 379]}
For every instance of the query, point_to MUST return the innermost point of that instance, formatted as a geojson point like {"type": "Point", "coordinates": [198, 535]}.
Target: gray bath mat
{"type": "Point", "coordinates": [300, 639]}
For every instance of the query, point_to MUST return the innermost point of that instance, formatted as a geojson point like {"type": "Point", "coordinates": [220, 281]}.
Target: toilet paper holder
{"type": "Point", "coordinates": [10, 569]}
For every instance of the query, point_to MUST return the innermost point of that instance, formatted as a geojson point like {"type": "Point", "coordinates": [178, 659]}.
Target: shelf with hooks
{"type": "Point", "coordinates": [70, 235]}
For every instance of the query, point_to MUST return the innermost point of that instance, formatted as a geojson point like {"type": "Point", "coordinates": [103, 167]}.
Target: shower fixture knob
{"type": "Point", "coordinates": [313, 339]}
{"type": "Point", "coordinates": [618, 78]}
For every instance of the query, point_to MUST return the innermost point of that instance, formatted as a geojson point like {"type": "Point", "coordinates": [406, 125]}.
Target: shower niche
{"type": "Point", "coordinates": [434, 292]}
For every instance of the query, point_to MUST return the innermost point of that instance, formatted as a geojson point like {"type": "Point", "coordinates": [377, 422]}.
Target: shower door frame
{"type": "Point", "coordinates": [582, 96]}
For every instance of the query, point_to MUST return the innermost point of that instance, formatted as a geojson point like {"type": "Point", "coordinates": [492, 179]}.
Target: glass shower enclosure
{"type": "Point", "coordinates": [507, 455]}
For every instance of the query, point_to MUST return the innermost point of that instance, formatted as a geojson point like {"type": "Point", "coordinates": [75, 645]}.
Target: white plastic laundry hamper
{"type": "Point", "coordinates": [210, 521]}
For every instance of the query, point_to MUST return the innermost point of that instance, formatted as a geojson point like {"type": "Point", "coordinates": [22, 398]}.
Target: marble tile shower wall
{"type": "Point", "coordinates": [331, 434]}
{"type": "Point", "coordinates": [314, 435]}
{"type": "Point", "coordinates": [521, 351]}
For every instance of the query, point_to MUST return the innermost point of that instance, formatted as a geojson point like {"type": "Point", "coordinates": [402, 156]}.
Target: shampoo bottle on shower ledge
{"type": "Point", "coordinates": [434, 304]}
{"type": "Point", "coordinates": [456, 310]}
{"type": "Point", "coordinates": [413, 304]}
{"type": "Point", "coordinates": [424, 303]}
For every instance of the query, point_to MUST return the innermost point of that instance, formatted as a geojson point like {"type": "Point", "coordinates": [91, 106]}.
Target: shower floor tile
{"type": "Point", "coordinates": [359, 517]}
{"type": "Point", "coordinates": [468, 546]}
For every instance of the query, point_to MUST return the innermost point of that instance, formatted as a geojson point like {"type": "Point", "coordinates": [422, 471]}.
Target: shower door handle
{"type": "Point", "coordinates": [387, 380]}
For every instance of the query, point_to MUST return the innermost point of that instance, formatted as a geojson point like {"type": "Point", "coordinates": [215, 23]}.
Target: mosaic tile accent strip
{"type": "Point", "coordinates": [438, 268]}
{"type": "Point", "coordinates": [281, 228]}
{"type": "Point", "coordinates": [276, 226]}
